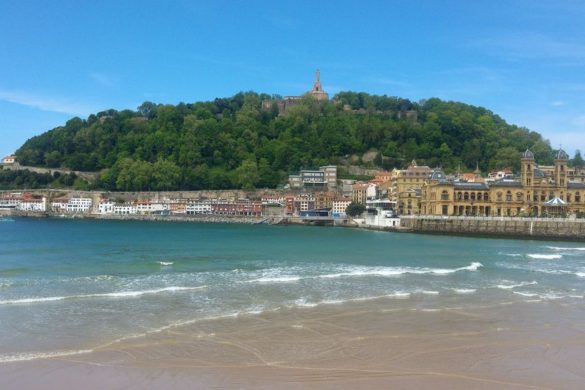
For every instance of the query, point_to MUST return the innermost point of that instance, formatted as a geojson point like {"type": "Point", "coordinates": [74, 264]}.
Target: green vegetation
{"type": "Point", "coordinates": [354, 209]}
{"type": "Point", "coordinates": [11, 180]}
{"type": "Point", "coordinates": [233, 143]}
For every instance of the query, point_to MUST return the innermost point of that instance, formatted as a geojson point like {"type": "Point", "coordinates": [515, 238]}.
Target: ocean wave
{"type": "Point", "coordinates": [464, 290]}
{"type": "Point", "coordinates": [302, 302]}
{"type": "Point", "coordinates": [397, 271]}
{"type": "Point", "coordinates": [23, 357]}
{"type": "Point", "coordinates": [118, 294]}
{"type": "Point", "coordinates": [547, 296]}
{"type": "Point", "coordinates": [544, 256]}
{"type": "Point", "coordinates": [165, 263]}
{"type": "Point", "coordinates": [279, 279]}
{"type": "Point", "coordinates": [511, 286]}
{"type": "Point", "coordinates": [559, 248]}
{"type": "Point", "coordinates": [580, 274]}
{"type": "Point", "coordinates": [427, 292]}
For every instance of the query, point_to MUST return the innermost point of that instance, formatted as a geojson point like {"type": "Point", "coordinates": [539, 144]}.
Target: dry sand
{"type": "Point", "coordinates": [381, 344]}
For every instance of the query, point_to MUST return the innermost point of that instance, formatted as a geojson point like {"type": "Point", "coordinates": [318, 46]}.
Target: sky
{"type": "Point", "coordinates": [523, 60]}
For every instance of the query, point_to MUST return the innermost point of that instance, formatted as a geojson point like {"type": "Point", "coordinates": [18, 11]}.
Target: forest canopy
{"type": "Point", "coordinates": [235, 143]}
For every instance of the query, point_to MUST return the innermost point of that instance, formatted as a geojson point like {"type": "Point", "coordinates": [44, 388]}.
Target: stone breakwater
{"type": "Point", "coordinates": [179, 218]}
{"type": "Point", "coordinates": [539, 228]}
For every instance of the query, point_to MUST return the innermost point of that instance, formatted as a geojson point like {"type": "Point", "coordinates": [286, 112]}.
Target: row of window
{"type": "Point", "coordinates": [484, 196]}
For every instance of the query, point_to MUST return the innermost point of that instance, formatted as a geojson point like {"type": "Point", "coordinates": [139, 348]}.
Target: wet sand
{"type": "Point", "coordinates": [379, 344]}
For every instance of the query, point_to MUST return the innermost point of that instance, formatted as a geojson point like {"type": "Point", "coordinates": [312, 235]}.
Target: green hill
{"type": "Point", "coordinates": [234, 143]}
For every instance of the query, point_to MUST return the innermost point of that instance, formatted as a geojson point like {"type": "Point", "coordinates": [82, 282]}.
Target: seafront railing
{"type": "Point", "coordinates": [471, 218]}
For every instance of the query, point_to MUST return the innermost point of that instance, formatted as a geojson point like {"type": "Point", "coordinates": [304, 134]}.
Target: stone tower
{"type": "Point", "coordinates": [317, 92]}
{"type": "Point", "coordinates": [561, 160]}
{"type": "Point", "coordinates": [528, 166]}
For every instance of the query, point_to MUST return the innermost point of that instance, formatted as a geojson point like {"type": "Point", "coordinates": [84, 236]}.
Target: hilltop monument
{"type": "Point", "coordinates": [283, 104]}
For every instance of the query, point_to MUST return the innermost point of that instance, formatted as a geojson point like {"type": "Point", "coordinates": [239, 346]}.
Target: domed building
{"type": "Point", "coordinates": [529, 194]}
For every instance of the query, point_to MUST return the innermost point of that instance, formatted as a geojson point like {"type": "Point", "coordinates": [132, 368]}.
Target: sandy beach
{"type": "Point", "coordinates": [379, 344]}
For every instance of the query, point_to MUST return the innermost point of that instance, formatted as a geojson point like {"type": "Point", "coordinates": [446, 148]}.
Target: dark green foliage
{"type": "Point", "coordinates": [577, 161]}
{"type": "Point", "coordinates": [354, 209]}
{"type": "Point", "coordinates": [233, 143]}
{"type": "Point", "coordinates": [25, 179]}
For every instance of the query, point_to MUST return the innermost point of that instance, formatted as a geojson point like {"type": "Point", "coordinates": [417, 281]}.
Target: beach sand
{"type": "Point", "coordinates": [376, 344]}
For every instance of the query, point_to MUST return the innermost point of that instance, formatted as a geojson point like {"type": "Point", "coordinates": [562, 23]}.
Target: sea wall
{"type": "Point", "coordinates": [547, 228]}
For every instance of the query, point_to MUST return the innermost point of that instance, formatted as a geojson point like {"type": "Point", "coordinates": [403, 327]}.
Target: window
{"type": "Point", "coordinates": [444, 195]}
{"type": "Point", "coordinates": [508, 196]}
{"type": "Point", "coordinates": [499, 194]}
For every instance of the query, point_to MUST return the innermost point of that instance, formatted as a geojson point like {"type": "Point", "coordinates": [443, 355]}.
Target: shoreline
{"type": "Point", "coordinates": [336, 346]}
{"type": "Point", "coordinates": [516, 234]}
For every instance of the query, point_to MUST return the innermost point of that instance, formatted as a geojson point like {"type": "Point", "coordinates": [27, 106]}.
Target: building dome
{"type": "Point", "coordinates": [528, 155]}
{"type": "Point", "coordinates": [561, 155]}
{"type": "Point", "coordinates": [437, 174]}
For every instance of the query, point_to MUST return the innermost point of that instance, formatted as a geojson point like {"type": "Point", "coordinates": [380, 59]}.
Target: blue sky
{"type": "Point", "coordinates": [524, 60]}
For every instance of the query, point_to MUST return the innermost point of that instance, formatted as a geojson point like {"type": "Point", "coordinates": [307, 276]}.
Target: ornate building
{"type": "Point", "coordinates": [536, 192]}
{"type": "Point", "coordinates": [407, 185]}
{"type": "Point", "coordinates": [283, 104]}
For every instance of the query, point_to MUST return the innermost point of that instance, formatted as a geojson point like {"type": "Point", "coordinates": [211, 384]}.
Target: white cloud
{"type": "Point", "coordinates": [45, 103]}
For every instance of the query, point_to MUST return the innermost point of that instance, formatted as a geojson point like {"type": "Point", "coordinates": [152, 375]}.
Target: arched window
{"type": "Point", "coordinates": [519, 196]}
{"type": "Point", "coordinates": [444, 195]}
{"type": "Point", "coordinates": [508, 196]}
{"type": "Point", "coordinates": [499, 195]}
{"type": "Point", "coordinates": [466, 196]}
{"type": "Point", "coordinates": [473, 196]}
{"type": "Point", "coordinates": [577, 197]}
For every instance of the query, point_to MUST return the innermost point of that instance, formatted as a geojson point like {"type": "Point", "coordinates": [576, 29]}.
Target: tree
{"type": "Point", "coordinates": [354, 209]}
{"type": "Point", "coordinates": [247, 174]}
{"type": "Point", "coordinates": [577, 161]}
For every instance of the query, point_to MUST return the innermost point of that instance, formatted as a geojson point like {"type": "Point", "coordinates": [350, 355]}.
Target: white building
{"type": "Point", "coordinates": [8, 160]}
{"type": "Point", "coordinates": [78, 205]}
{"type": "Point", "coordinates": [106, 206]}
{"type": "Point", "coordinates": [126, 208]}
{"type": "Point", "coordinates": [33, 204]}
{"type": "Point", "coordinates": [11, 200]}
{"type": "Point", "coordinates": [59, 204]}
{"type": "Point", "coordinates": [199, 207]}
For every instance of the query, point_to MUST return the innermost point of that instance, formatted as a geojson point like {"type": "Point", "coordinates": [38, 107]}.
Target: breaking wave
{"type": "Point", "coordinates": [544, 256]}
{"type": "Point", "coordinates": [119, 294]}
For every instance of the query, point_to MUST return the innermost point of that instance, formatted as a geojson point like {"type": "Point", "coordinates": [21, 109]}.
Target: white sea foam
{"type": "Point", "coordinates": [580, 274]}
{"type": "Point", "coordinates": [302, 302]}
{"type": "Point", "coordinates": [525, 294]}
{"type": "Point", "coordinates": [279, 279]}
{"type": "Point", "coordinates": [118, 294]}
{"type": "Point", "coordinates": [165, 263]}
{"type": "Point", "coordinates": [22, 357]}
{"type": "Point", "coordinates": [544, 256]}
{"type": "Point", "coordinates": [511, 286]}
{"type": "Point", "coordinates": [464, 290]}
{"type": "Point", "coordinates": [548, 296]}
{"type": "Point", "coordinates": [31, 300]}
{"type": "Point", "coordinates": [397, 271]}
{"type": "Point", "coordinates": [428, 292]}
{"type": "Point", "coordinates": [558, 248]}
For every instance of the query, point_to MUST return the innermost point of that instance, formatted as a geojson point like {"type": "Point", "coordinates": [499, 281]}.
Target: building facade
{"type": "Point", "coordinates": [529, 194]}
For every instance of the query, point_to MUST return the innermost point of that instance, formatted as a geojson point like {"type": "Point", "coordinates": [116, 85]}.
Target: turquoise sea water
{"type": "Point", "coordinates": [75, 285]}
